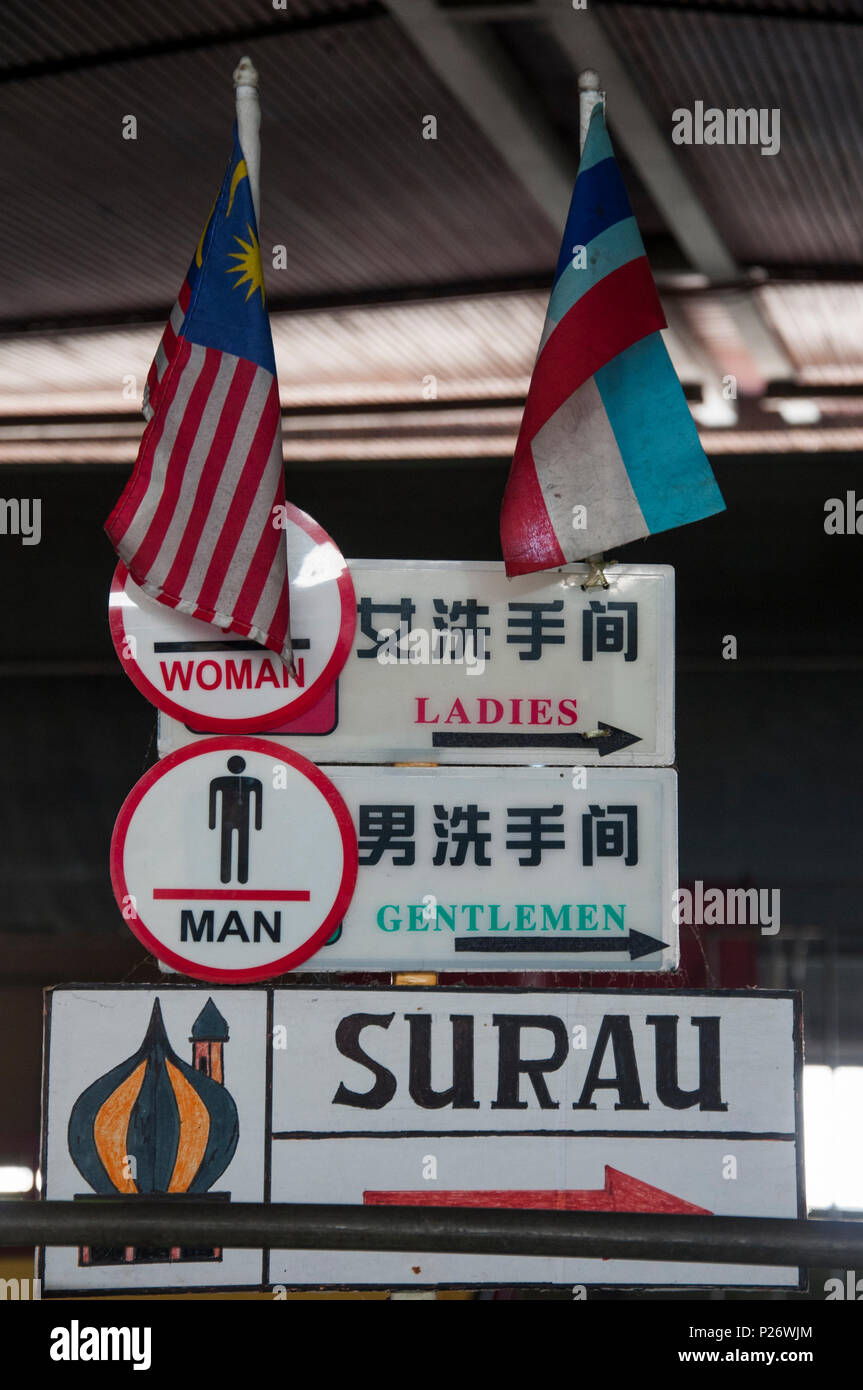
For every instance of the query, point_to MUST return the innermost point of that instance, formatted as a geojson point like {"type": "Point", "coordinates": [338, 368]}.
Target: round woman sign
{"type": "Point", "coordinates": [217, 681]}
{"type": "Point", "coordinates": [234, 859]}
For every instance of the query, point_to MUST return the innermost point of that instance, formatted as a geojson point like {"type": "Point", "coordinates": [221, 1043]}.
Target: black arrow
{"type": "Point", "coordinates": [608, 740]}
{"type": "Point", "coordinates": [637, 944]}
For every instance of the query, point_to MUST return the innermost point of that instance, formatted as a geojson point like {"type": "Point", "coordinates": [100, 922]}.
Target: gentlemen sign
{"type": "Point", "coordinates": [509, 869]}
{"type": "Point", "coordinates": [596, 1101]}
{"type": "Point", "coordinates": [455, 663]}
{"type": "Point", "coordinates": [234, 859]}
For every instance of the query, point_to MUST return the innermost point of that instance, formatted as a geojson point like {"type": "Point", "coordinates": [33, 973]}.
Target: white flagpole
{"type": "Point", "coordinates": [588, 96]}
{"type": "Point", "coordinates": [249, 127]}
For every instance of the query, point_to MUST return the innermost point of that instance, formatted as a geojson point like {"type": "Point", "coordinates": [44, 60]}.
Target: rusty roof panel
{"type": "Point", "coordinates": [360, 200]}
{"type": "Point", "coordinates": [801, 205]}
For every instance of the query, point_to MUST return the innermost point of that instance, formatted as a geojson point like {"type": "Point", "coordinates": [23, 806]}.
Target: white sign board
{"type": "Point", "coordinates": [509, 869]}
{"type": "Point", "coordinates": [223, 682]}
{"type": "Point", "coordinates": [592, 1101]}
{"type": "Point", "coordinates": [233, 860]}
{"type": "Point", "coordinates": [454, 663]}
{"type": "Point", "coordinates": [458, 868]}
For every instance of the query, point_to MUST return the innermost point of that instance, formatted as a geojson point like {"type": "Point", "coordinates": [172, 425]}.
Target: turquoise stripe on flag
{"type": "Point", "coordinates": [657, 438]}
{"type": "Point", "coordinates": [608, 251]}
{"type": "Point", "coordinates": [597, 145]}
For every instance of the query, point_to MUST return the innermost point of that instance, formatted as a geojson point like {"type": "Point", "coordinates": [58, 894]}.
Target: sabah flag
{"type": "Point", "coordinates": [607, 451]}
{"type": "Point", "coordinates": [197, 524]}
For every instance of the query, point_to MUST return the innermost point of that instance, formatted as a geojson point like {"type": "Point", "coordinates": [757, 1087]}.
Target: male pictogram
{"type": "Point", "coordinates": [237, 793]}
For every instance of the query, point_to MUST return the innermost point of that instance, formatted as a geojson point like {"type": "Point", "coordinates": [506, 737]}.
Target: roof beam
{"type": "Point", "coordinates": [476, 70]}
{"type": "Point", "coordinates": [511, 11]}
{"type": "Point", "coordinates": [474, 67]}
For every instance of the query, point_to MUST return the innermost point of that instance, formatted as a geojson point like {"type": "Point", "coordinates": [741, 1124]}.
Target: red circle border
{"type": "Point", "coordinates": [345, 892]}
{"type": "Point", "coordinates": [264, 722]}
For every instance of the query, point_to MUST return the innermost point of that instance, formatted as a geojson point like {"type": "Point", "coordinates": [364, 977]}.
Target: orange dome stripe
{"type": "Point", "coordinates": [194, 1130]}
{"type": "Point", "coordinates": [110, 1127]}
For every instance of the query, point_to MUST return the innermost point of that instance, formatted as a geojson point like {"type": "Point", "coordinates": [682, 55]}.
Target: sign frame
{"type": "Point", "coordinates": [409, 947]}
{"type": "Point", "coordinates": [344, 744]}
{"type": "Point", "coordinates": [296, 707]}
{"type": "Point", "coordinates": [267, 1285]}
{"type": "Point", "coordinates": [253, 974]}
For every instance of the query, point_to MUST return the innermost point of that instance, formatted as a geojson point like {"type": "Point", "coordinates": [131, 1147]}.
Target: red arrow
{"type": "Point", "coordinates": [621, 1193]}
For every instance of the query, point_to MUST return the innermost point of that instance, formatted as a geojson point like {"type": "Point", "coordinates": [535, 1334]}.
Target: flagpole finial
{"type": "Point", "coordinates": [589, 96]}
{"type": "Point", "coordinates": [249, 125]}
{"type": "Point", "coordinates": [246, 74]}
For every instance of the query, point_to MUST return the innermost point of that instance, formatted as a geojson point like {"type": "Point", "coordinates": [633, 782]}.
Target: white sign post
{"type": "Point", "coordinates": [601, 1100]}
{"type": "Point", "coordinates": [454, 663]}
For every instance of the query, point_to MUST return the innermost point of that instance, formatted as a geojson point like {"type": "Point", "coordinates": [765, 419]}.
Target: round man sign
{"type": "Point", "coordinates": [234, 859]}
{"type": "Point", "coordinates": [218, 681]}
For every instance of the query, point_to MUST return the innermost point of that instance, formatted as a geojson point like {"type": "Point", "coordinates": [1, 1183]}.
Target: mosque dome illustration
{"type": "Point", "coordinates": [155, 1125]}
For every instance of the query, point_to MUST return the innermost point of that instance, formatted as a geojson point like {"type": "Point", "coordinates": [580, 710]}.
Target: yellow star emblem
{"type": "Point", "coordinates": [250, 268]}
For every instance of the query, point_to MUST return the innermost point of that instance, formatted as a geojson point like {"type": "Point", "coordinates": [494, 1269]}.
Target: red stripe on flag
{"type": "Point", "coordinates": [212, 474]}
{"type": "Point", "coordinates": [261, 566]}
{"type": "Point", "coordinates": [244, 492]}
{"type": "Point", "coordinates": [135, 490]}
{"type": "Point", "coordinates": [527, 535]}
{"type": "Point", "coordinates": [175, 468]}
{"type": "Point", "coordinates": [152, 382]}
{"type": "Point", "coordinates": [168, 344]}
{"type": "Point", "coordinates": [278, 629]}
{"type": "Point", "coordinates": [621, 310]}
{"type": "Point", "coordinates": [169, 341]}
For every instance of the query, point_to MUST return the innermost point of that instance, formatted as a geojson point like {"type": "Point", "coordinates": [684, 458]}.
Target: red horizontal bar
{"type": "Point", "coordinates": [267, 895]}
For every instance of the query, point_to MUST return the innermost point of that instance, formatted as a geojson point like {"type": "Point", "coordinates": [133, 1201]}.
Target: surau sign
{"type": "Point", "coordinates": [530, 1049]}
{"type": "Point", "coordinates": [599, 1100]}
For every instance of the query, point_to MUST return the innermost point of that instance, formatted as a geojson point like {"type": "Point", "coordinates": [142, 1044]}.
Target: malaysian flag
{"type": "Point", "coordinates": [607, 451]}
{"type": "Point", "coordinates": [196, 525]}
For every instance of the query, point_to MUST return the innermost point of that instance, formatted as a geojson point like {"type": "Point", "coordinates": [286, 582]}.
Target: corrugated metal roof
{"type": "Point", "coordinates": [69, 28]}
{"type": "Point", "coordinates": [549, 73]}
{"type": "Point", "coordinates": [96, 222]}
{"type": "Point", "coordinates": [821, 328]}
{"type": "Point", "coordinates": [801, 205]}
{"type": "Point", "coordinates": [804, 8]}
{"type": "Point", "coordinates": [478, 348]}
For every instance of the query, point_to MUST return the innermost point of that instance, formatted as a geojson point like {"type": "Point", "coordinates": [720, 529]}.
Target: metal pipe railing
{"type": "Point", "coordinates": [744, 1240]}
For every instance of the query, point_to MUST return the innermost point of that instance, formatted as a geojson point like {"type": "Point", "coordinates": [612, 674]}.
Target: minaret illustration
{"type": "Point", "coordinates": [156, 1127]}
{"type": "Point", "coordinates": [209, 1034]}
